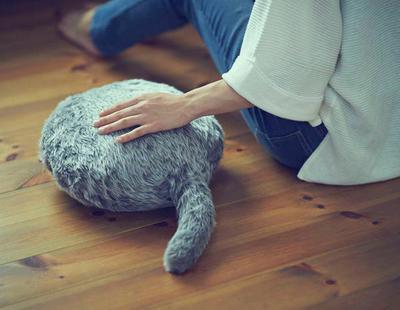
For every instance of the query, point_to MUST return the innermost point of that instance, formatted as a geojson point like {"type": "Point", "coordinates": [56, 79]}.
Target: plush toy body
{"type": "Point", "coordinates": [170, 168]}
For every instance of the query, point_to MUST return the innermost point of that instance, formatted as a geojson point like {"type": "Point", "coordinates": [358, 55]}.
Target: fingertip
{"type": "Point", "coordinates": [106, 111]}
{"type": "Point", "coordinates": [120, 140]}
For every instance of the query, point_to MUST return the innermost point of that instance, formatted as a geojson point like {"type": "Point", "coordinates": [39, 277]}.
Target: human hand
{"type": "Point", "coordinates": [163, 111]}
{"type": "Point", "coordinates": [150, 112]}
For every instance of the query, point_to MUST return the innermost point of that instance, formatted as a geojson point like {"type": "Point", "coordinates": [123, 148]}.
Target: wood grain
{"type": "Point", "coordinates": [279, 243]}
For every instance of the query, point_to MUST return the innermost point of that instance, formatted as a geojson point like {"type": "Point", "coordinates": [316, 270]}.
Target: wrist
{"type": "Point", "coordinates": [214, 98]}
{"type": "Point", "coordinates": [193, 103]}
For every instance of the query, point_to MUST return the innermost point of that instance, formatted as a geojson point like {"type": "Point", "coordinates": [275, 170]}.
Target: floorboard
{"type": "Point", "coordinates": [280, 243]}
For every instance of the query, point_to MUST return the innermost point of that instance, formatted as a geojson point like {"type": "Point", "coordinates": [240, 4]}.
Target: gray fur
{"type": "Point", "coordinates": [170, 168]}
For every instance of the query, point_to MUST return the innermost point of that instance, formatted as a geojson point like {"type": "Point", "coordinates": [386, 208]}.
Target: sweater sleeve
{"type": "Point", "coordinates": [289, 53]}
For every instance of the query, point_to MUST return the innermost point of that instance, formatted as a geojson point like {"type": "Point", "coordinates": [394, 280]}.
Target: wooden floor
{"type": "Point", "coordinates": [279, 243]}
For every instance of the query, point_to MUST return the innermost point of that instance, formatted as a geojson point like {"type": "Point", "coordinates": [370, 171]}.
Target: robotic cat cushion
{"type": "Point", "coordinates": [164, 169]}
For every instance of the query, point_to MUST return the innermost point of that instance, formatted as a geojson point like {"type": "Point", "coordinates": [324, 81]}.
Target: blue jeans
{"type": "Point", "coordinates": [119, 24]}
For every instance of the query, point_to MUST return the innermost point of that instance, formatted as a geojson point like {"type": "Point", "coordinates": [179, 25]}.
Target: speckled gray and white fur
{"type": "Point", "coordinates": [170, 168]}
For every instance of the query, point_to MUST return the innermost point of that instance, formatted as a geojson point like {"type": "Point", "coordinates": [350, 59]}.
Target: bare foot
{"type": "Point", "coordinates": [75, 27]}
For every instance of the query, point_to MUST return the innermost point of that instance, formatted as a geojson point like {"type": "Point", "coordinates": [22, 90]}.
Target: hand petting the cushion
{"type": "Point", "coordinates": [150, 112]}
{"type": "Point", "coordinates": [163, 111]}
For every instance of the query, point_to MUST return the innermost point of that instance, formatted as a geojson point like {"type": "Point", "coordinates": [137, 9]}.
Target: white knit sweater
{"type": "Point", "coordinates": [335, 61]}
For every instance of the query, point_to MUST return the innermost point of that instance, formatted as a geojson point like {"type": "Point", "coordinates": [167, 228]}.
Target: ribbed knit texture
{"type": "Point", "coordinates": [335, 61]}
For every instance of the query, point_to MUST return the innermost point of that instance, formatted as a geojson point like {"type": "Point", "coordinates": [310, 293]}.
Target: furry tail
{"type": "Point", "coordinates": [196, 221]}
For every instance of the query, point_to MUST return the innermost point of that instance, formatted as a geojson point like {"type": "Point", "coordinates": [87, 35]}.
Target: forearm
{"type": "Point", "coordinates": [214, 98]}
